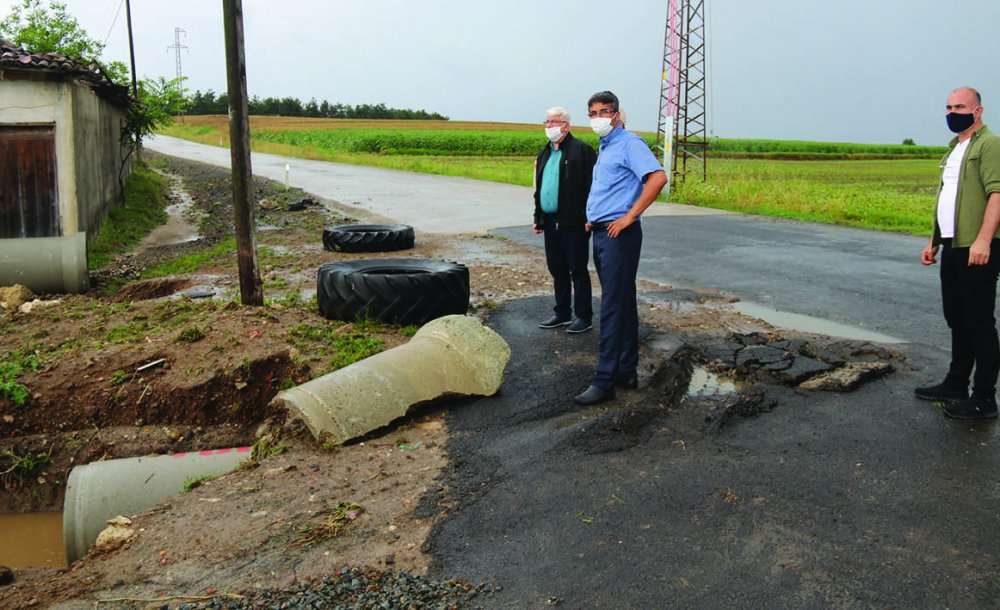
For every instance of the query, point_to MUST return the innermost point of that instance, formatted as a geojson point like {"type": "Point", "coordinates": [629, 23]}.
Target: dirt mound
{"type": "Point", "coordinates": [151, 289]}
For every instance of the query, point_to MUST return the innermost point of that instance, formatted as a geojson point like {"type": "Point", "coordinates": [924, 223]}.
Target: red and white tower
{"type": "Point", "coordinates": [681, 132]}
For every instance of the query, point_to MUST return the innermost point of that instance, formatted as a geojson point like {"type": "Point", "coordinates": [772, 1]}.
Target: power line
{"type": "Point", "coordinates": [113, 22]}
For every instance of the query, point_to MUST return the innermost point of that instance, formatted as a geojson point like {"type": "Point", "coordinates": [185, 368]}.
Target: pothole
{"type": "Point", "coordinates": [707, 384]}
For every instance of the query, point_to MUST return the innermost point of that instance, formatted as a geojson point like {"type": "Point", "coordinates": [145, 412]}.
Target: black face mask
{"type": "Point", "coordinates": [960, 122]}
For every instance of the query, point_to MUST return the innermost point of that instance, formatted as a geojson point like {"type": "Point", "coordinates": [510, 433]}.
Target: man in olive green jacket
{"type": "Point", "coordinates": [966, 229]}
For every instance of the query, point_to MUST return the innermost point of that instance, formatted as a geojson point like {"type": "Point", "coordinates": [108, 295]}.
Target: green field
{"type": "Point", "coordinates": [884, 187]}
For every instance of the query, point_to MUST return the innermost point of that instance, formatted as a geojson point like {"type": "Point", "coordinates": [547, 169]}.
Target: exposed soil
{"type": "Point", "coordinates": [213, 368]}
{"type": "Point", "coordinates": [216, 365]}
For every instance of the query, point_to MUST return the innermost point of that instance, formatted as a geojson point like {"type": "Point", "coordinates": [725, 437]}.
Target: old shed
{"type": "Point", "coordinates": [61, 157]}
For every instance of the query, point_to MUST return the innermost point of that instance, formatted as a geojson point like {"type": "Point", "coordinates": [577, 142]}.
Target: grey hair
{"type": "Point", "coordinates": [558, 111]}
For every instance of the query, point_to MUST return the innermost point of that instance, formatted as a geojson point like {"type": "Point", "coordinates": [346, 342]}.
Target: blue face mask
{"type": "Point", "coordinates": [960, 122]}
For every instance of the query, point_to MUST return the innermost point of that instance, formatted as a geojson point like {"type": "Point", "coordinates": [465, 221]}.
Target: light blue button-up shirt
{"type": "Point", "coordinates": [623, 162]}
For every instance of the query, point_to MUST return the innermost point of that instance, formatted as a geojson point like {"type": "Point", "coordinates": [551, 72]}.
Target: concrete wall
{"type": "Point", "coordinates": [98, 157]}
{"type": "Point", "coordinates": [88, 158]}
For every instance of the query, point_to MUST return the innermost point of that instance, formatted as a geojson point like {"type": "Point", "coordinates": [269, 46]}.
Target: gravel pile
{"type": "Point", "coordinates": [357, 589]}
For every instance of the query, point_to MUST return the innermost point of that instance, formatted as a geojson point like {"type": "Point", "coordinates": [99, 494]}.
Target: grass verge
{"type": "Point", "coordinates": [832, 187]}
{"type": "Point", "coordinates": [143, 209]}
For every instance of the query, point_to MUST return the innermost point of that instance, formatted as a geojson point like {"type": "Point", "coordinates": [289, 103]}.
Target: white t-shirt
{"type": "Point", "coordinates": [949, 189]}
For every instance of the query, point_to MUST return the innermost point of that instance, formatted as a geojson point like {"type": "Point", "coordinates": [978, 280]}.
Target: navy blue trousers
{"type": "Point", "coordinates": [566, 254]}
{"type": "Point", "coordinates": [617, 262]}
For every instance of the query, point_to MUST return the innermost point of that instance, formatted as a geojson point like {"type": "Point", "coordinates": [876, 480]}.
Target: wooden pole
{"type": "Point", "coordinates": [251, 291]}
{"type": "Point", "coordinates": [135, 86]}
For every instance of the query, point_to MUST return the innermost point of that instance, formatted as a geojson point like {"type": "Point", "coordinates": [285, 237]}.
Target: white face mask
{"type": "Point", "coordinates": [553, 133]}
{"type": "Point", "coordinates": [601, 125]}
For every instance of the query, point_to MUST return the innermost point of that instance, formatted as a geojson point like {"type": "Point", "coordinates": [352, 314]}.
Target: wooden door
{"type": "Point", "coordinates": [29, 202]}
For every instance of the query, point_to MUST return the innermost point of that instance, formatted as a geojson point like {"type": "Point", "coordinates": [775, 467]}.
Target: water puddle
{"type": "Point", "coordinates": [809, 324]}
{"type": "Point", "coordinates": [179, 228]}
{"type": "Point", "coordinates": [32, 540]}
{"type": "Point", "coordinates": [706, 384]}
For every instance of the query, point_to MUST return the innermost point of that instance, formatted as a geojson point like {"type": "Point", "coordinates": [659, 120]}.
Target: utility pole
{"type": "Point", "coordinates": [251, 291]}
{"type": "Point", "coordinates": [681, 132]}
{"type": "Point", "coordinates": [135, 85]}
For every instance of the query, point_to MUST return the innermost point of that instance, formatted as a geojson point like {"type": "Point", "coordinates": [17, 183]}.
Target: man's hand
{"type": "Point", "coordinates": [587, 227]}
{"type": "Point", "coordinates": [537, 229]}
{"type": "Point", "coordinates": [979, 253]}
{"type": "Point", "coordinates": [929, 255]}
{"type": "Point", "coordinates": [620, 225]}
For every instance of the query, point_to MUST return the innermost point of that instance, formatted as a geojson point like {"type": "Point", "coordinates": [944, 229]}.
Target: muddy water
{"type": "Point", "coordinates": [31, 540]}
{"type": "Point", "coordinates": [705, 384]}
{"type": "Point", "coordinates": [179, 228]}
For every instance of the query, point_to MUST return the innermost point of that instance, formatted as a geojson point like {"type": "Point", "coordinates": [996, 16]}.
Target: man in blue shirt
{"type": "Point", "coordinates": [627, 180]}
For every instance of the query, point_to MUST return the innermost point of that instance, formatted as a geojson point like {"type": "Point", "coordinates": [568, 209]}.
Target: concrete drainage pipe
{"type": "Point", "coordinates": [98, 491]}
{"type": "Point", "coordinates": [450, 356]}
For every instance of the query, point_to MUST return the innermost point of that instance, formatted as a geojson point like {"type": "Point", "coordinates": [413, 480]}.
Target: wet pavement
{"type": "Point", "coordinates": [865, 499]}
{"type": "Point", "coordinates": [436, 204]}
{"type": "Point", "coordinates": [867, 280]}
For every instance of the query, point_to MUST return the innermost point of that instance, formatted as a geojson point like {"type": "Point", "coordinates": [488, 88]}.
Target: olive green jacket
{"type": "Point", "coordinates": [978, 177]}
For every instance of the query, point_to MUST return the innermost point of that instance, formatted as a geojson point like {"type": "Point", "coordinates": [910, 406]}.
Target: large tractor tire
{"type": "Point", "coordinates": [392, 290]}
{"type": "Point", "coordinates": [368, 238]}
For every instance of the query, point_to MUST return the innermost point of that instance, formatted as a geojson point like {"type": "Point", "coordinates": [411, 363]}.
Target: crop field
{"type": "Point", "coordinates": [883, 187]}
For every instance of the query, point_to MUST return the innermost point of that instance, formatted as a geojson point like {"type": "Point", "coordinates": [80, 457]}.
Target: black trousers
{"type": "Point", "coordinates": [968, 295]}
{"type": "Point", "coordinates": [567, 255]}
{"type": "Point", "coordinates": [617, 262]}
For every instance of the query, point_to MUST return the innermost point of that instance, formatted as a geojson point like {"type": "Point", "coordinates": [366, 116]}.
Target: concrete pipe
{"type": "Point", "coordinates": [45, 264]}
{"type": "Point", "coordinates": [98, 491]}
{"type": "Point", "coordinates": [450, 356]}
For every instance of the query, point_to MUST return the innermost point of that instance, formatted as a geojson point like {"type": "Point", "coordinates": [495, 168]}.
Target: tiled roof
{"type": "Point", "coordinates": [12, 56]}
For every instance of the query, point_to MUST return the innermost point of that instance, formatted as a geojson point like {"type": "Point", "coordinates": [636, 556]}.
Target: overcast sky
{"type": "Point", "coordinates": [851, 70]}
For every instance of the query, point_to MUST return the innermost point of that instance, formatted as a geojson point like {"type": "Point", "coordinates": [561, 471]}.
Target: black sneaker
{"type": "Point", "coordinates": [941, 391]}
{"type": "Point", "coordinates": [972, 408]}
{"type": "Point", "coordinates": [579, 326]}
{"type": "Point", "coordinates": [555, 322]}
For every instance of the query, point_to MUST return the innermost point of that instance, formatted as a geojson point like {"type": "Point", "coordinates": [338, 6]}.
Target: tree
{"type": "Point", "coordinates": [46, 27]}
{"type": "Point", "coordinates": [909, 142]}
{"type": "Point", "coordinates": [49, 29]}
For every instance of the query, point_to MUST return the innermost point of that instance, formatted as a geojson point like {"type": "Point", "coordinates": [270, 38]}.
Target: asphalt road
{"type": "Point", "coordinates": [864, 500]}
{"type": "Point", "coordinates": [864, 279]}
{"type": "Point", "coordinates": [436, 204]}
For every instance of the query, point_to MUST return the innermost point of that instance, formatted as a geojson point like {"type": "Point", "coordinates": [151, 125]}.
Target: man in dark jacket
{"type": "Point", "coordinates": [563, 173]}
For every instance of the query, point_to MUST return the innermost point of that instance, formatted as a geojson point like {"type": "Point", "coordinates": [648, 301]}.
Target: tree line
{"type": "Point", "coordinates": [209, 103]}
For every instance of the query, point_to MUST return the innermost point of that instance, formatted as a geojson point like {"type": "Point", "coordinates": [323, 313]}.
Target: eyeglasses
{"type": "Point", "coordinates": [603, 112]}
{"type": "Point", "coordinates": [554, 122]}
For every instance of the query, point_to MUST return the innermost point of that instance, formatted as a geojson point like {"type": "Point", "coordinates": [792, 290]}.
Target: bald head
{"type": "Point", "coordinates": [962, 102]}
{"type": "Point", "coordinates": [970, 91]}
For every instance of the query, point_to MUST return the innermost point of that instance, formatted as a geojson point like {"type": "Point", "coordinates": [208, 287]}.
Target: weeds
{"type": "Point", "coordinates": [344, 345]}
{"type": "Point", "coordinates": [119, 377]}
{"type": "Point", "coordinates": [129, 332]}
{"type": "Point", "coordinates": [331, 525]}
{"type": "Point", "coordinates": [11, 369]}
{"type": "Point", "coordinates": [189, 263]}
{"type": "Point", "coordinates": [191, 334]}
{"type": "Point", "coordinates": [142, 210]}
{"type": "Point", "coordinates": [195, 482]}
{"type": "Point", "coordinates": [22, 467]}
